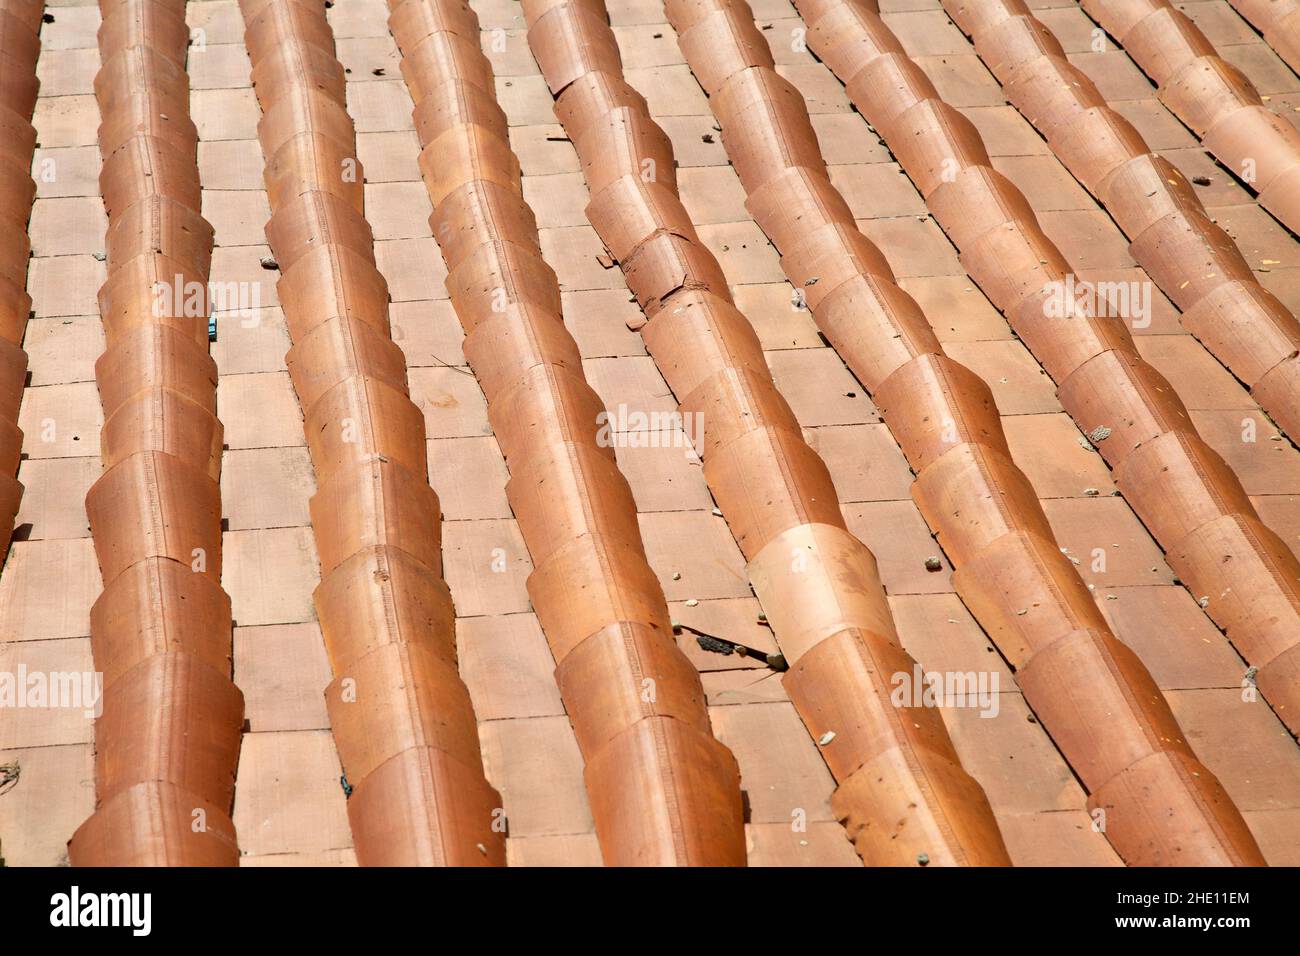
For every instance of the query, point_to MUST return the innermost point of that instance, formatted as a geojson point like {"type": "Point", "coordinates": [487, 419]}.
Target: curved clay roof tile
{"type": "Point", "coordinates": [970, 492]}
{"type": "Point", "coordinates": [773, 489]}
{"type": "Point", "coordinates": [402, 719]}
{"type": "Point", "coordinates": [168, 740]}
{"type": "Point", "coordinates": [599, 603]}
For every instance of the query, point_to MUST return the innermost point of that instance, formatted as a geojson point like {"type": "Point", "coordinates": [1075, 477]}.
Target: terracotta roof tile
{"type": "Point", "coordinates": [531, 724]}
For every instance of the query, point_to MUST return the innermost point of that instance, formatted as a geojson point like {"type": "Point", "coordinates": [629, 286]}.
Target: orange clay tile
{"type": "Point", "coordinates": [971, 494]}
{"type": "Point", "coordinates": [783, 565]}
{"type": "Point", "coordinates": [774, 491]}
{"type": "Point", "coordinates": [1211, 96]}
{"type": "Point", "coordinates": [1279, 22]}
{"type": "Point", "coordinates": [1188, 255]}
{"type": "Point", "coordinates": [599, 604]}
{"type": "Point", "coordinates": [401, 717]}
{"type": "Point", "coordinates": [19, 27]}
{"type": "Point", "coordinates": [1110, 392]}
{"type": "Point", "coordinates": [168, 741]}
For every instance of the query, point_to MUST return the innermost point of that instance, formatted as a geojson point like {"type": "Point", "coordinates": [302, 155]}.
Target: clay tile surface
{"type": "Point", "coordinates": [597, 432]}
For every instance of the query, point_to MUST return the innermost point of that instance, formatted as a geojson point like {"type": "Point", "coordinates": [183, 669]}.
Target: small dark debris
{"type": "Point", "coordinates": [720, 645]}
{"type": "Point", "coordinates": [558, 139]}
{"type": "Point", "coordinates": [659, 36]}
{"type": "Point", "coordinates": [707, 138]}
{"type": "Point", "coordinates": [347, 787]}
{"type": "Point", "coordinates": [269, 264]}
{"type": "Point", "coordinates": [715, 646]}
{"type": "Point", "coordinates": [47, 18]}
{"type": "Point", "coordinates": [933, 564]}
{"type": "Point", "coordinates": [9, 774]}
{"type": "Point", "coordinates": [378, 71]}
{"type": "Point", "coordinates": [1201, 180]}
